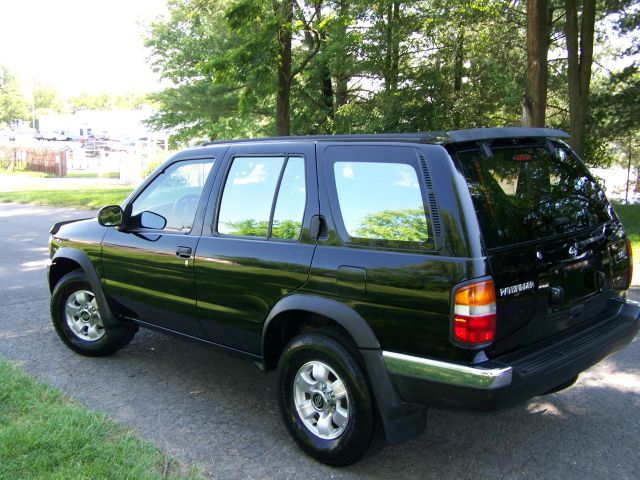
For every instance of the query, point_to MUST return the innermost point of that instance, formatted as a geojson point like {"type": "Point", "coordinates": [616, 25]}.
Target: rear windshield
{"type": "Point", "coordinates": [525, 193]}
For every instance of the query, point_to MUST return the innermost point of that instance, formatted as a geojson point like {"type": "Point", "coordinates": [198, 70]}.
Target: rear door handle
{"type": "Point", "coordinates": [318, 227]}
{"type": "Point", "coordinates": [183, 252]}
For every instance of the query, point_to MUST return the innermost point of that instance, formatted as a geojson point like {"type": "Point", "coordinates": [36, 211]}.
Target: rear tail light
{"type": "Point", "coordinates": [474, 313]}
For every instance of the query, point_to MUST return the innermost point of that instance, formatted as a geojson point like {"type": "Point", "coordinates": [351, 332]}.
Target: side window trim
{"type": "Point", "coordinates": [433, 210]}
{"type": "Point", "coordinates": [276, 194]}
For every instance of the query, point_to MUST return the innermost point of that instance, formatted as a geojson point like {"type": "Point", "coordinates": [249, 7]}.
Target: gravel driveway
{"type": "Point", "coordinates": [212, 410]}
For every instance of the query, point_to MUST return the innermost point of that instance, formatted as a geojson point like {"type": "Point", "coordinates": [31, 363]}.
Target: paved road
{"type": "Point", "coordinates": [219, 412]}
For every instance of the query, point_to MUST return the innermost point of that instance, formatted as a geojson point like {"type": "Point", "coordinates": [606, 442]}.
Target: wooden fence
{"type": "Point", "coordinates": [38, 159]}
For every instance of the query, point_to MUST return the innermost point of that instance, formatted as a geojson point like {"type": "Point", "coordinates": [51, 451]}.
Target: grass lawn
{"type": "Point", "coordinates": [630, 216]}
{"type": "Point", "coordinates": [79, 198]}
{"type": "Point", "coordinates": [26, 173]}
{"type": "Point", "coordinates": [92, 175]}
{"type": "Point", "coordinates": [70, 174]}
{"type": "Point", "coordinates": [43, 434]}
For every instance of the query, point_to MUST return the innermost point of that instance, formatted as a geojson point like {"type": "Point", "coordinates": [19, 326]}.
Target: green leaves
{"type": "Point", "coordinates": [13, 104]}
{"type": "Point", "coordinates": [355, 66]}
{"type": "Point", "coordinates": [407, 225]}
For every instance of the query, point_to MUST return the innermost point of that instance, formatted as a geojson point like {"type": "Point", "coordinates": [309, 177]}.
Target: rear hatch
{"type": "Point", "coordinates": [557, 252]}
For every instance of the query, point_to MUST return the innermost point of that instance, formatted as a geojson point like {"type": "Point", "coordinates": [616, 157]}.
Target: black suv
{"type": "Point", "coordinates": [379, 274]}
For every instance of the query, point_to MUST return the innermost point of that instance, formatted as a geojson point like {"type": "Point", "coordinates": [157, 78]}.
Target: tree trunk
{"type": "Point", "coordinates": [327, 85]}
{"type": "Point", "coordinates": [342, 78]}
{"type": "Point", "coordinates": [458, 65]}
{"type": "Point", "coordinates": [283, 100]}
{"type": "Point", "coordinates": [327, 91]}
{"type": "Point", "coordinates": [580, 58]}
{"type": "Point", "coordinates": [391, 64]}
{"type": "Point", "coordinates": [534, 103]}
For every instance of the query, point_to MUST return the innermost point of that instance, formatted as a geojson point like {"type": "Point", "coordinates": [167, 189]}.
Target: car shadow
{"type": "Point", "coordinates": [220, 412]}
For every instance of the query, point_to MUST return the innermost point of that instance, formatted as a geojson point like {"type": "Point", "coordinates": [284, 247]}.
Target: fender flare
{"type": "Point", "coordinates": [82, 259]}
{"type": "Point", "coordinates": [401, 420]}
{"type": "Point", "coordinates": [346, 317]}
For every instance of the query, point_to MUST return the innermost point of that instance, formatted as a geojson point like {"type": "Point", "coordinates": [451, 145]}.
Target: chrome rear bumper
{"type": "Point", "coordinates": [445, 372]}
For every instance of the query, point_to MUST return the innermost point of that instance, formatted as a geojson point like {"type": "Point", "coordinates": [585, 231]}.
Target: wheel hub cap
{"type": "Point", "coordinates": [321, 400]}
{"type": "Point", "coordinates": [83, 317]}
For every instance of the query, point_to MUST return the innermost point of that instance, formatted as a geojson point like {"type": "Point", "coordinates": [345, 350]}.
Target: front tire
{"type": "Point", "coordinates": [325, 400]}
{"type": "Point", "coordinates": [77, 320]}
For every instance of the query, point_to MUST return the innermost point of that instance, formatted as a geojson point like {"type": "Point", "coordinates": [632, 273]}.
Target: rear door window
{"type": "Point", "coordinates": [527, 193]}
{"type": "Point", "coordinates": [248, 195]}
{"type": "Point", "coordinates": [264, 197]}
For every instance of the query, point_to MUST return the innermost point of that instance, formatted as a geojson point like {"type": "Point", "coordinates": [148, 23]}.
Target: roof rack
{"type": "Point", "coordinates": [418, 137]}
{"type": "Point", "coordinates": [454, 136]}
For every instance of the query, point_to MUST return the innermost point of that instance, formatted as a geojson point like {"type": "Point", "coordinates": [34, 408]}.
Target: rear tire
{"type": "Point", "coordinates": [76, 318]}
{"type": "Point", "coordinates": [325, 401]}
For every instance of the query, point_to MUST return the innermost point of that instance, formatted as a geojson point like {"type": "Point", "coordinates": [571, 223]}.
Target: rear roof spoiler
{"type": "Point", "coordinates": [487, 134]}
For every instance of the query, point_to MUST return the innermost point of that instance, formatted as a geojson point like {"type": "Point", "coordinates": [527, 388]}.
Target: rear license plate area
{"type": "Point", "coordinates": [575, 281]}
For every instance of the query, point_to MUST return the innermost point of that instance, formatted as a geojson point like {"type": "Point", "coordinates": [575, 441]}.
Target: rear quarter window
{"type": "Point", "coordinates": [382, 204]}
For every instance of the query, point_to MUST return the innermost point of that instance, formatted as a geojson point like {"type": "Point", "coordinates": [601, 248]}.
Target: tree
{"type": "Point", "coordinates": [278, 22]}
{"type": "Point", "coordinates": [406, 225]}
{"type": "Point", "coordinates": [131, 101]}
{"type": "Point", "coordinates": [470, 67]}
{"type": "Point", "coordinates": [46, 100]}
{"type": "Point", "coordinates": [244, 68]}
{"type": "Point", "coordinates": [247, 54]}
{"type": "Point", "coordinates": [579, 30]}
{"type": "Point", "coordinates": [13, 104]}
{"type": "Point", "coordinates": [289, 229]}
{"type": "Point", "coordinates": [196, 50]}
{"type": "Point", "coordinates": [88, 101]}
{"type": "Point", "coordinates": [615, 104]}
{"type": "Point", "coordinates": [534, 104]}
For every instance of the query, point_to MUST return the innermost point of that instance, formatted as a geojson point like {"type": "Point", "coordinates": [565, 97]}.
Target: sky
{"type": "Point", "coordinates": [79, 46]}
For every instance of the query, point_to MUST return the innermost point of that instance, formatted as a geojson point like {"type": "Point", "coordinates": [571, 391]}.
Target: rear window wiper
{"type": "Point", "coordinates": [598, 238]}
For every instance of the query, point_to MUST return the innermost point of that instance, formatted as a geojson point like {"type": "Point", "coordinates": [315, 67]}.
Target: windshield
{"type": "Point", "coordinates": [526, 193]}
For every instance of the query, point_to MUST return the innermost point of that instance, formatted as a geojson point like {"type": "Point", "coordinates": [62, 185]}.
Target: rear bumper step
{"type": "Point", "coordinates": [506, 381]}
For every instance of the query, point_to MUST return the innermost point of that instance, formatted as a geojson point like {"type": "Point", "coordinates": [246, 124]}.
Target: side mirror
{"type": "Point", "coordinates": [110, 216]}
{"type": "Point", "coordinates": [152, 220]}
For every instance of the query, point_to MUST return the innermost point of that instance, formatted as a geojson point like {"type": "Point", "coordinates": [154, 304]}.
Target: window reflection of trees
{"type": "Point", "coordinates": [405, 225]}
{"type": "Point", "coordinates": [250, 227]}
{"type": "Point", "coordinates": [533, 198]}
{"type": "Point", "coordinates": [246, 207]}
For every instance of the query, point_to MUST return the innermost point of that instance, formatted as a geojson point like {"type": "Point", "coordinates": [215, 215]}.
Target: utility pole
{"type": "Point", "coordinates": [33, 105]}
{"type": "Point", "coordinates": [626, 198]}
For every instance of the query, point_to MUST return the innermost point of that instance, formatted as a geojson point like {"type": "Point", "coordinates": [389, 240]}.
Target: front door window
{"type": "Point", "coordinates": [175, 194]}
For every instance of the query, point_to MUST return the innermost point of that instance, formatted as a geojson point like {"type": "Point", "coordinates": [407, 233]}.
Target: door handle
{"type": "Point", "coordinates": [318, 227]}
{"type": "Point", "coordinates": [183, 252]}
